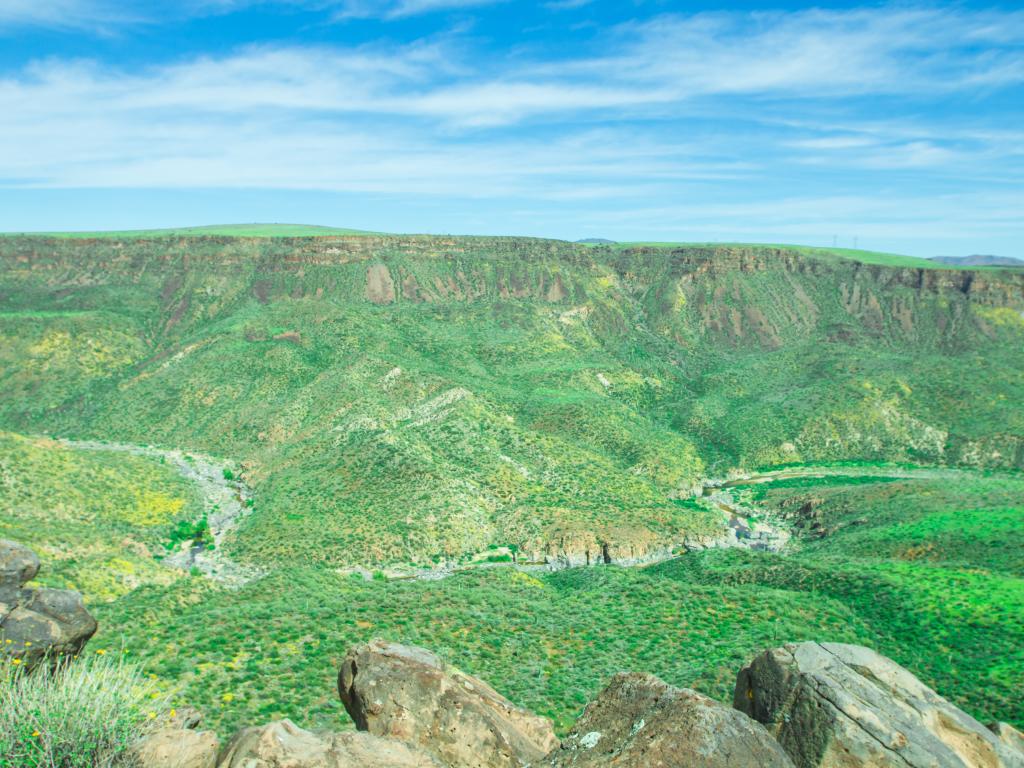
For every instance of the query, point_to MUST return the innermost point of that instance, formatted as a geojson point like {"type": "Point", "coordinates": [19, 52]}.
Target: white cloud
{"type": "Point", "coordinates": [566, 5]}
{"type": "Point", "coordinates": [398, 9]}
{"type": "Point", "coordinates": [67, 14]}
{"type": "Point", "coordinates": [436, 119]}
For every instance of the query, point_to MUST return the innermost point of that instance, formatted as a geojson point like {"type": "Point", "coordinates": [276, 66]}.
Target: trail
{"type": "Point", "coordinates": [223, 503]}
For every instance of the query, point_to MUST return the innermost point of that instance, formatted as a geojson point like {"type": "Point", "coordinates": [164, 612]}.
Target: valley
{"type": "Point", "coordinates": [263, 449]}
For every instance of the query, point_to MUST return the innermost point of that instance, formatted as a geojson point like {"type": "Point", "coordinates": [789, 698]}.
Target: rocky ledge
{"type": "Point", "coordinates": [808, 705]}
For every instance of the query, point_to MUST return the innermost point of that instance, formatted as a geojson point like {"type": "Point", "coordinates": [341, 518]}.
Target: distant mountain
{"type": "Point", "coordinates": [980, 260]}
{"type": "Point", "coordinates": [596, 241]}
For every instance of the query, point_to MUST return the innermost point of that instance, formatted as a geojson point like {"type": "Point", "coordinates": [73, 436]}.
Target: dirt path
{"type": "Point", "coordinates": [223, 503]}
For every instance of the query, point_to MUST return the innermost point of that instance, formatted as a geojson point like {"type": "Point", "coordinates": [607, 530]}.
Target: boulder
{"type": "Point", "coordinates": [18, 565]}
{"type": "Point", "coordinates": [639, 721]}
{"type": "Point", "coordinates": [408, 693]}
{"type": "Point", "coordinates": [283, 744]}
{"type": "Point", "coordinates": [837, 705]}
{"type": "Point", "coordinates": [176, 748]}
{"type": "Point", "coordinates": [37, 623]}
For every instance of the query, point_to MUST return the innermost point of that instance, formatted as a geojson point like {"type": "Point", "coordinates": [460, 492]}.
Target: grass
{"type": "Point", "coordinates": [83, 714]}
{"type": "Point", "coordinates": [548, 642]}
{"type": "Point", "coordinates": [933, 566]}
{"type": "Point", "coordinates": [99, 520]}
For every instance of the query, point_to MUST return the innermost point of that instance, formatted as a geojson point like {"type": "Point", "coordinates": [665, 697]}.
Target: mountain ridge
{"type": "Point", "coordinates": [552, 398]}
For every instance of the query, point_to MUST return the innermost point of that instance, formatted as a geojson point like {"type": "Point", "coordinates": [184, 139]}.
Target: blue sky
{"type": "Point", "coordinates": [898, 127]}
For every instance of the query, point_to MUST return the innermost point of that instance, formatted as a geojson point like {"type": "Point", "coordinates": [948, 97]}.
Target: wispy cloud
{"type": "Point", "coordinates": [679, 109]}
{"type": "Point", "coordinates": [397, 9]}
{"type": "Point", "coordinates": [66, 14]}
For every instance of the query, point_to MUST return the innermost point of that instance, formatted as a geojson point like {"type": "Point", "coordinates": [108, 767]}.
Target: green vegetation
{"type": "Point", "coordinates": [933, 567]}
{"type": "Point", "coordinates": [417, 401]}
{"type": "Point", "coordinates": [817, 252]}
{"type": "Point", "coordinates": [950, 612]}
{"type": "Point", "coordinates": [80, 715]}
{"type": "Point", "coordinates": [98, 518]}
{"type": "Point", "coordinates": [548, 641]}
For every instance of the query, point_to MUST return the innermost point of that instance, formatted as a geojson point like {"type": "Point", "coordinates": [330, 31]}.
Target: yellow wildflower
{"type": "Point", "coordinates": [227, 697]}
{"type": "Point", "coordinates": [100, 652]}
{"type": "Point", "coordinates": [35, 734]}
{"type": "Point", "coordinates": [15, 661]}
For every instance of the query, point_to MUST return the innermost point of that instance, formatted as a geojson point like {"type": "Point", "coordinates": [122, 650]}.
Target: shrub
{"type": "Point", "coordinates": [79, 714]}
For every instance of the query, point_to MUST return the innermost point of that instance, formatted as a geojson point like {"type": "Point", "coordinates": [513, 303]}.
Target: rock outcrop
{"type": "Point", "coordinates": [37, 623]}
{"type": "Point", "coordinates": [176, 748]}
{"type": "Point", "coordinates": [845, 706]}
{"type": "Point", "coordinates": [639, 721]}
{"type": "Point", "coordinates": [175, 742]}
{"type": "Point", "coordinates": [408, 693]}
{"type": "Point", "coordinates": [283, 744]}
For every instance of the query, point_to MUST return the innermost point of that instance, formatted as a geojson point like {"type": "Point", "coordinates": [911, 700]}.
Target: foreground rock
{"type": "Point", "coordinates": [408, 693]}
{"type": "Point", "coordinates": [176, 748]}
{"type": "Point", "coordinates": [37, 623]}
{"type": "Point", "coordinates": [175, 743]}
{"type": "Point", "coordinates": [845, 706]}
{"type": "Point", "coordinates": [639, 721]}
{"type": "Point", "coordinates": [283, 744]}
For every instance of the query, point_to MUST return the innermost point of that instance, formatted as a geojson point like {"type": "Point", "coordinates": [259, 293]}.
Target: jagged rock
{"type": "Point", "coordinates": [37, 623]}
{"type": "Point", "coordinates": [639, 721]}
{"type": "Point", "coordinates": [845, 706]}
{"type": "Point", "coordinates": [408, 693]}
{"type": "Point", "coordinates": [283, 744]}
{"type": "Point", "coordinates": [176, 748]}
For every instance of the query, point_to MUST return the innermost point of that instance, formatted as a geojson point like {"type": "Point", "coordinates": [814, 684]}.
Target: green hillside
{"type": "Point", "coordinates": [415, 399]}
{"type": "Point", "coordinates": [101, 520]}
{"type": "Point", "coordinates": [402, 403]}
{"type": "Point", "coordinates": [551, 641]}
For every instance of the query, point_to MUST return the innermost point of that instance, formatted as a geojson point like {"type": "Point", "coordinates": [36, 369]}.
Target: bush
{"type": "Point", "coordinates": [80, 714]}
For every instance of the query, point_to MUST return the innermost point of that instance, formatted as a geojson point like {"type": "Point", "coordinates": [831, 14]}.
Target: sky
{"type": "Point", "coordinates": [892, 127]}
